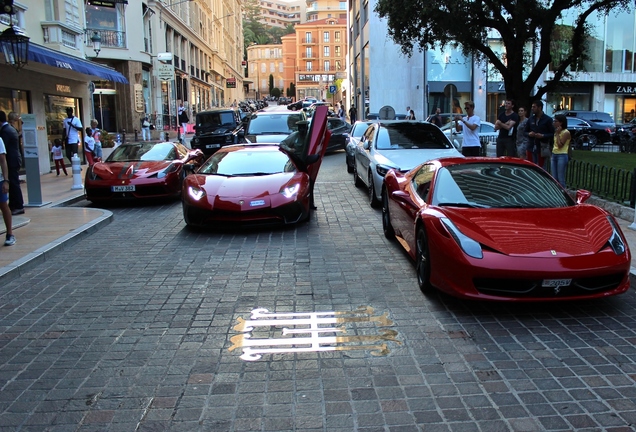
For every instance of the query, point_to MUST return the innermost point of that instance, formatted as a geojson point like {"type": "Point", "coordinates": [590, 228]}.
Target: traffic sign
{"type": "Point", "coordinates": [332, 89]}
{"type": "Point", "coordinates": [165, 71]}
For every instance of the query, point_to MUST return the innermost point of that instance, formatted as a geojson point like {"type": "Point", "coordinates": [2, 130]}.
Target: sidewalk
{"type": "Point", "coordinates": [49, 228]}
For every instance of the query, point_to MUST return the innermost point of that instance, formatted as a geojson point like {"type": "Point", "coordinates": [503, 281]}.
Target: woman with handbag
{"type": "Point", "coordinates": [145, 128]}
{"type": "Point", "coordinates": [562, 139]}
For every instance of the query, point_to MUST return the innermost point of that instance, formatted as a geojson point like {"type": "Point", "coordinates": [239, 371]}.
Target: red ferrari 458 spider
{"type": "Point", "coordinates": [258, 184]}
{"type": "Point", "coordinates": [503, 229]}
{"type": "Point", "coordinates": [141, 170]}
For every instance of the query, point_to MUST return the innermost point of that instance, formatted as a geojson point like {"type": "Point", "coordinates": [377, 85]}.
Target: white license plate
{"type": "Point", "coordinates": [129, 188]}
{"type": "Point", "coordinates": [213, 146]}
{"type": "Point", "coordinates": [553, 283]}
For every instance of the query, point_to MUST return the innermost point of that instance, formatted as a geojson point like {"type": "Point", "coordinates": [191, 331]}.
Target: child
{"type": "Point", "coordinates": [58, 156]}
{"type": "Point", "coordinates": [89, 150]}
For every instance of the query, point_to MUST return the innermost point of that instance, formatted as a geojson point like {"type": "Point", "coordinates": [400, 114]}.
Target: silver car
{"type": "Point", "coordinates": [396, 144]}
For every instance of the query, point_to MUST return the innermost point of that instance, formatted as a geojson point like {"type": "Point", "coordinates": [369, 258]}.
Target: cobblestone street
{"type": "Point", "coordinates": [138, 328]}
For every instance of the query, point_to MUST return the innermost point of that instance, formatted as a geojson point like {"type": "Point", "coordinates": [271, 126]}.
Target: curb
{"type": "Point", "coordinates": [26, 263]}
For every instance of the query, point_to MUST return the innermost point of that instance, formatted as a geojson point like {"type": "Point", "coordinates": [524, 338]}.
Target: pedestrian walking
{"type": "Point", "coordinates": [4, 196]}
{"type": "Point", "coordinates": [469, 125]}
{"type": "Point", "coordinates": [145, 128]}
{"type": "Point", "coordinates": [353, 114]}
{"type": "Point", "coordinates": [341, 112]}
{"type": "Point", "coordinates": [183, 120]}
{"type": "Point", "coordinates": [58, 156]}
{"type": "Point", "coordinates": [89, 146]}
{"type": "Point", "coordinates": [97, 136]}
{"type": "Point", "coordinates": [14, 161]}
{"type": "Point", "coordinates": [411, 115]}
{"type": "Point", "coordinates": [70, 134]}
{"type": "Point", "coordinates": [437, 118]}
{"type": "Point", "coordinates": [506, 124]}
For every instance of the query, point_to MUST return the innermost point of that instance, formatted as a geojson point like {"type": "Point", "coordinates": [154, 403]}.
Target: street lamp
{"type": "Point", "coordinates": [97, 42]}
{"type": "Point", "coordinates": [15, 46]}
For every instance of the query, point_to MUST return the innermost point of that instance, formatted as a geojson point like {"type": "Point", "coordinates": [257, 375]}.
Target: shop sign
{"type": "Point", "coordinates": [165, 71]}
{"type": "Point", "coordinates": [139, 98]}
{"type": "Point", "coordinates": [63, 88]}
{"type": "Point", "coordinates": [620, 88]}
{"type": "Point", "coordinates": [230, 83]}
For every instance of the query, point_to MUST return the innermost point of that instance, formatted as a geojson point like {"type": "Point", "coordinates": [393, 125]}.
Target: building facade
{"type": "Point", "coordinates": [264, 61]}
{"type": "Point", "coordinates": [117, 84]}
{"type": "Point", "coordinates": [323, 9]}
{"type": "Point", "coordinates": [380, 75]}
{"type": "Point", "coordinates": [282, 14]}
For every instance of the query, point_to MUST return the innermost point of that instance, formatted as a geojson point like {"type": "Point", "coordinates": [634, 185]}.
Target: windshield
{"type": "Point", "coordinates": [273, 123]}
{"type": "Point", "coordinates": [248, 162]}
{"type": "Point", "coordinates": [407, 135]}
{"type": "Point", "coordinates": [143, 152]}
{"type": "Point", "coordinates": [497, 185]}
{"type": "Point", "coordinates": [213, 120]}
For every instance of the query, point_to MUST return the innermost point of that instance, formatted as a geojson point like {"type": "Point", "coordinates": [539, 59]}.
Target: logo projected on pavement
{"type": "Point", "coordinates": [296, 332]}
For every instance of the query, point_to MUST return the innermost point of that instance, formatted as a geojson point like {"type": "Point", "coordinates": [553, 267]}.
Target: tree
{"type": "Point", "coordinates": [276, 92]}
{"type": "Point", "coordinates": [523, 26]}
{"type": "Point", "coordinates": [271, 83]}
{"type": "Point", "coordinates": [291, 90]}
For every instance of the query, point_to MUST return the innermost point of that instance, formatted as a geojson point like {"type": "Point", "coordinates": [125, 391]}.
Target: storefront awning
{"type": "Point", "coordinates": [40, 54]}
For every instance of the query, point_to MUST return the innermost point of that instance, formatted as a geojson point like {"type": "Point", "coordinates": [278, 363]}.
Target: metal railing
{"type": "Point", "coordinates": [110, 38]}
{"type": "Point", "coordinates": [605, 182]}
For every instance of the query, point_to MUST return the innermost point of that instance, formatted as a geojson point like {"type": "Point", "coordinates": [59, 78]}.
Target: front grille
{"type": "Point", "coordinates": [524, 288]}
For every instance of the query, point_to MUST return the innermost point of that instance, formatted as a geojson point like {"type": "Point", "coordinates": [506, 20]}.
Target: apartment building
{"type": "Point", "coordinates": [281, 14]}
{"type": "Point", "coordinates": [263, 61]}
{"type": "Point", "coordinates": [115, 81]}
{"type": "Point", "coordinates": [323, 9]}
{"type": "Point", "coordinates": [320, 53]}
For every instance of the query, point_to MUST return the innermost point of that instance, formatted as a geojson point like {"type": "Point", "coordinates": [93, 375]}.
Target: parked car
{"type": "Point", "coordinates": [255, 184]}
{"type": "Point", "coordinates": [396, 144]}
{"type": "Point", "coordinates": [357, 130]}
{"type": "Point", "coordinates": [503, 229]}
{"type": "Point", "coordinates": [339, 132]}
{"type": "Point", "coordinates": [312, 108]}
{"type": "Point", "coordinates": [283, 100]}
{"type": "Point", "coordinates": [295, 106]}
{"type": "Point", "coordinates": [141, 170]}
{"type": "Point", "coordinates": [268, 126]}
{"type": "Point", "coordinates": [586, 134]}
{"type": "Point", "coordinates": [599, 118]}
{"type": "Point", "coordinates": [214, 129]}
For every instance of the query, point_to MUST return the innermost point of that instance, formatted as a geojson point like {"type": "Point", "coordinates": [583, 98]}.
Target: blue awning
{"type": "Point", "coordinates": [40, 54]}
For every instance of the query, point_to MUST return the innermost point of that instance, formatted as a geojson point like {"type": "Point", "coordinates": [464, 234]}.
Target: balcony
{"type": "Point", "coordinates": [309, 41]}
{"type": "Point", "coordinates": [110, 38]}
{"type": "Point", "coordinates": [309, 55]}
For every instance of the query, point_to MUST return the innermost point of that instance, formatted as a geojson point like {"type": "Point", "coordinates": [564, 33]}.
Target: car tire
{"type": "Point", "coordinates": [373, 200]}
{"type": "Point", "coordinates": [422, 262]}
{"type": "Point", "coordinates": [389, 232]}
{"type": "Point", "coordinates": [356, 178]}
{"type": "Point", "coordinates": [349, 165]}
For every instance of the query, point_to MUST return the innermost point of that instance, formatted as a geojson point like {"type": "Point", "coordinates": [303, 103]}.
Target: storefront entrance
{"type": "Point", "coordinates": [55, 113]}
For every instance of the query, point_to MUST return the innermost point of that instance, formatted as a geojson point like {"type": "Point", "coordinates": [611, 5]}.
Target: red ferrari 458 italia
{"type": "Point", "coordinates": [503, 229]}
{"type": "Point", "coordinates": [258, 184]}
{"type": "Point", "coordinates": [141, 170]}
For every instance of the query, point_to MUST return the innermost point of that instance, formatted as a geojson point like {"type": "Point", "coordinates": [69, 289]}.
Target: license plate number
{"type": "Point", "coordinates": [129, 188]}
{"type": "Point", "coordinates": [553, 283]}
{"type": "Point", "coordinates": [213, 146]}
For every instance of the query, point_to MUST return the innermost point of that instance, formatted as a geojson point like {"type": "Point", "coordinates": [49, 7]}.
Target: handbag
{"type": "Point", "coordinates": [546, 151]}
{"type": "Point", "coordinates": [146, 123]}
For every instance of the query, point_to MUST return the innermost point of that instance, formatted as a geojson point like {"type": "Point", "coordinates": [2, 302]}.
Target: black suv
{"type": "Point", "coordinates": [213, 129]}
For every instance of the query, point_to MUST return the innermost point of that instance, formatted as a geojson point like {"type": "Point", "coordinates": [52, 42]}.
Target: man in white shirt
{"type": "Point", "coordinates": [72, 126]}
{"type": "Point", "coordinates": [469, 126]}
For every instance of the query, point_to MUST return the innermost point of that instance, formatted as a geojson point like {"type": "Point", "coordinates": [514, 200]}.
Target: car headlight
{"type": "Point", "coordinates": [196, 192]}
{"type": "Point", "coordinates": [383, 169]}
{"type": "Point", "coordinates": [171, 168]}
{"type": "Point", "coordinates": [616, 240]}
{"type": "Point", "coordinates": [470, 247]}
{"type": "Point", "coordinates": [290, 191]}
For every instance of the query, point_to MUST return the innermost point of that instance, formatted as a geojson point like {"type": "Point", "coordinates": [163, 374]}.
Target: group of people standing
{"type": "Point", "coordinates": [534, 138]}
{"type": "Point", "coordinates": [72, 126]}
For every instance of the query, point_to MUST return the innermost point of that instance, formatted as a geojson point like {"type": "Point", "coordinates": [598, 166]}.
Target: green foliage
{"type": "Point", "coordinates": [626, 161]}
{"type": "Point", "coordinates": [469, 25]}
{"type": "Point", "coordinates": [271, 83]}
{"type": "Point", "coordinates": [107, 140]}
{"type": "Point", "coordinates": [276, 92]}
{"type": "Point", "coordinates": [291, 90]}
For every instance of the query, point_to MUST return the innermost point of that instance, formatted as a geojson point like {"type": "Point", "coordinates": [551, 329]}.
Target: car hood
{"type": "Point", "coordinates": [408, 159]}
{"type": "Point", "coordinates": [274, 138]}
{"type": "Point", "coordinates": [128, 170]}
{"type": "Point", "coordinates": [242, 190]}
{"type": "Point", "coordinates": [569, 231]}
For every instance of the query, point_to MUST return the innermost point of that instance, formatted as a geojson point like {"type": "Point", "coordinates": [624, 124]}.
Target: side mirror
{"type": "Point", "coordinates": [312, 159]}
{"type": "Point", "coordinates": [366, 145]}
{"type": "Point", "coordinates": [582, 196]}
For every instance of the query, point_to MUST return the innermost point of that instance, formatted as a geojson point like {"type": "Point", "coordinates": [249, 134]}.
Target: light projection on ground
{"type": "Point", "coordinates": [268, 332]}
